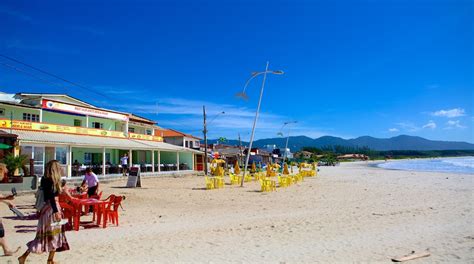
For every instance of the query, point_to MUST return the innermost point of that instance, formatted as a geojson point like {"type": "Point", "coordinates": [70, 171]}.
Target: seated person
{"type": "Point", "coordinates": [65, 190]}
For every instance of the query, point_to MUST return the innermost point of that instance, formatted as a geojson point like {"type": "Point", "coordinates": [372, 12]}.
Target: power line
{"type": "Point", "coordinates": [54, 75]}
{"type": "Point", "coordinates": [31, 75]}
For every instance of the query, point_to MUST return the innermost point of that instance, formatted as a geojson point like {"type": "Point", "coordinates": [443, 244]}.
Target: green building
{"type": "Point", "coordinates": [80, 135]}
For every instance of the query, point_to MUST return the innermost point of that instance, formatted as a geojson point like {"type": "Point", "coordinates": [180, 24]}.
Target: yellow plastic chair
{"type": "Point", "coordinates": [209, 183]}
{"type": "Point", "coordinates": [219, 182]}
{"type": "Point", "coordinates": [267, 185]}
{"type": "Point", "coordinates": [247, 178]}
{"type": "Point", "coordinates": [234, 179]}
{"type": "Point", "coordinates": [282, 181]}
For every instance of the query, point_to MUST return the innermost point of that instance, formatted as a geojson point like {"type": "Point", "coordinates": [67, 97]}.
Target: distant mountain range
{"type": "Point", "coordinates": [402, 142]}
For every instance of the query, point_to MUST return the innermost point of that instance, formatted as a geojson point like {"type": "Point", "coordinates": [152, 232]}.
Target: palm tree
{"type": "Point", "coordinates": [15, 162]}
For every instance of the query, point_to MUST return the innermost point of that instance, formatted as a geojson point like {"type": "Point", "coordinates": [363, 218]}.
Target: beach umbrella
{"type": "Point", "coordinates": [269, 170]}
{"type": "Point", "coordinates": [236, 167]}
{"type": "Point", "coordinates": [4, 146]}
{"type": "Point", "coordinates": [285, 169]}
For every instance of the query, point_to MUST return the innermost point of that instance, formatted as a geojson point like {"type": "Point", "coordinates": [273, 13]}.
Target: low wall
{"type": "Point", "coordinates": [29, 183]}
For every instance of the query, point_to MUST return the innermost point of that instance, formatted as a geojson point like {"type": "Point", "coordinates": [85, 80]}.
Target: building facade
{"type": "Point", "coordinates": [80, 135]}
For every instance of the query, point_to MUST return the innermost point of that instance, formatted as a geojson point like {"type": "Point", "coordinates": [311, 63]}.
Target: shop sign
{"type": "Point", "coordinates": [62, 107]}
{"type": "Point", "coordinates": [25, 125]}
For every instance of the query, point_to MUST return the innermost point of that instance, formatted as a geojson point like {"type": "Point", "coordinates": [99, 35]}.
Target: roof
{"type": "Point", "coordinates": [168, 132]}
{"type": "Point", "coordinates": [93, 141]}
{"type": "Point", "coordinates": [19, 104]}
{"type": "Point", "coordinates": [53, 95]}
{"type": "Point", "coordinates": [134, 117]}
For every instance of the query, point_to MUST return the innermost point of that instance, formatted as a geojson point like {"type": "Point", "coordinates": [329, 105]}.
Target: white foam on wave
{"type": "Point", "coordinates": [456, 165]}
{"type": "Point", "coordinates": [460, 162]}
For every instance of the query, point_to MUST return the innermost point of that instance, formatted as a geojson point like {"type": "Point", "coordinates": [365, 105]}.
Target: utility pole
{"type": "Point", "coordinates": [11, 122]}
{"type": "Point", "coordinates": [240, 151]}
{"type": "Point", "coordinates": [205, 139]}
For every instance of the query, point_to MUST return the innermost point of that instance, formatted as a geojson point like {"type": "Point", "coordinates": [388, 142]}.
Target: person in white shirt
{"type": "Point", "coordinates": [124, 163]}
{"type": "Point", "coordinates": [91, 181]}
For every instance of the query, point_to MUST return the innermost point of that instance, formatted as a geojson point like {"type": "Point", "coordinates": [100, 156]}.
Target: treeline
{"type": "Point", "coordinates": [331, 151]}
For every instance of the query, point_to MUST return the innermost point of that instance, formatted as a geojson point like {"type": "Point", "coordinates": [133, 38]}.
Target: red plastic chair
{"type": "Point", "coordinates": [111, 210]}
{"type": "Point", "coordinates": [96, 196]}
{"type": "Point", "coordinates": [68, 212]}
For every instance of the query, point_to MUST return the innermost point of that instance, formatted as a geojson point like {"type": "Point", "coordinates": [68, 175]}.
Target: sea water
{"type": "Point", "coordinates": [455, 165]}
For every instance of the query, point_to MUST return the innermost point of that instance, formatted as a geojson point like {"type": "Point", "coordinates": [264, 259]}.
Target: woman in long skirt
{"type": "Point", "coordinates": [50, 237]}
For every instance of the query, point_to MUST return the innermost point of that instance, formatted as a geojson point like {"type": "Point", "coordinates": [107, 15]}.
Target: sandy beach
{"type": "Point", "coordinates": [349, 213]}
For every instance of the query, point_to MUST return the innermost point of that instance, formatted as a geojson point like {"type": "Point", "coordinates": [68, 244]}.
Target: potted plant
{"type": "Point", "coordinates": [13, 163]}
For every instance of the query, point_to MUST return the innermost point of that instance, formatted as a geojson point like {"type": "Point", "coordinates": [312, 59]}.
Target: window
{"type": "Point", "coordinates": [26, 117]}
{"type": "Point", "coordinates": [196, 144]}
{"type": "Point", "coordinates": [77, 122]}
{"type": "Point", "coordinates": [30, 117]}
{"type": "Point", "coordinates": [187, 144]}
{"type": "Point", "coordinates": [148, 132]}
{"type": "Point", "coordinates": [97, 125]}
{"type": "Point", "coordinates": [35, 118]}
{"type": "Point", "coordinates": [2, 111]}
{"type": "Point", "coordinates": [131, 129]}
{"type": "Point", "coordinates": [61, 155]}
{"type": "Point", "coordinates": [88, 158]}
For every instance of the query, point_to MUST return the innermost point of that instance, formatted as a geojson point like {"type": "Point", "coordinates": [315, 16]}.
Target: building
{"type": "Point", "coordinates": [353, 157]}
{"type": "Point", "coordinates": [80, 135]}
{"type": "Point", "coordinates": [181, 139]}
{"type": "Point", "coordinates": [178, 138]}
{"type": "Point", "coordinates": [303, 154]}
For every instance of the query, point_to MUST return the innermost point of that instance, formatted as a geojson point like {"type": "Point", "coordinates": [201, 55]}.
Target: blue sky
{"type": "Point", "coordinates": [352, 68]}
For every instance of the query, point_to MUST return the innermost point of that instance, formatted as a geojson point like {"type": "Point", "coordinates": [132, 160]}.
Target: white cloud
{"type": "Point", "coordinates": [456, 112]}
{"type": "Point", "coordinates": [430, 124]}
{"type": "Point", "coordinates": [187, 115]}
{"type": "Point", "coordinates": [393, 129]}
{"type": "Point", "coordinates": [408, 126]}
{"type": "Point", "coordinates": [452, 124]}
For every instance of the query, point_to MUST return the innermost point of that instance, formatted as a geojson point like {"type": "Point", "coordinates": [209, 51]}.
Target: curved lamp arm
{"type": "Point", "coordinates": [255, 74]}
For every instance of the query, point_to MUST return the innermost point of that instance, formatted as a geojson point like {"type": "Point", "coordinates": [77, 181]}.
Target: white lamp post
{"type": "Point", "coordinates": [244, 96]}
{"type": "Point", "coordinates": [288, 137]}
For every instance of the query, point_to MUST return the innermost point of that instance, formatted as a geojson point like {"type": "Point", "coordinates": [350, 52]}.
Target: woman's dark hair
{"type": "Point", "coordinates": [88, 170]}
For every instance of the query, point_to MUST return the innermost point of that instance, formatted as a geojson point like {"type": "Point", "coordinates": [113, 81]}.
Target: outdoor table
{"type": "Point", "coordinates": [99, 208]}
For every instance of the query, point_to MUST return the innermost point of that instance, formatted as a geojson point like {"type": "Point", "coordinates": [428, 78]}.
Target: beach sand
{"type": "Point", "coordinates": [349, 213]}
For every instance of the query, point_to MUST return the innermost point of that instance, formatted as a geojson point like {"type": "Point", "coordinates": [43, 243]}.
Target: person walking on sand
{"type": "Point", "coordinates": [50, 237]}
{"type": "Point", "coordinates": [3, 242]}
{"type": "Point", "coordinates": [6, 200]}
{"type": "Point", "coordinates": [124, 163]}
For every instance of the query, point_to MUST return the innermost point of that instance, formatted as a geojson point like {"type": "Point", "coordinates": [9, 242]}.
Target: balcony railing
{"type": "Point", "coordinates": [57, 128]}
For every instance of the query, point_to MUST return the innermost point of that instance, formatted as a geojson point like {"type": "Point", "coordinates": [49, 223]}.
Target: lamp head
{"type": "Point", "coordinates": [278, 72]}
{"type": "Point", "coordinates": [242, 95]}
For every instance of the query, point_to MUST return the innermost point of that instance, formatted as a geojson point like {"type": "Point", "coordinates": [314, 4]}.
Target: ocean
{"type": "Point", "coordinates": [454, 165]}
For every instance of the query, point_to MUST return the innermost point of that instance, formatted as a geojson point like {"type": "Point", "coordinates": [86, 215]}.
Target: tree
{"type": "Point", "coordinates": [15, 162]}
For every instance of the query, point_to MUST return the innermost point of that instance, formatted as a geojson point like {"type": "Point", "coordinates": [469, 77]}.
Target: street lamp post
{"type": "Point", "coordinates": [204, 131]}
{"type": "Point", "coordinates": [288, 137]}
{"type": "Point", "coordinates": [244, 96]}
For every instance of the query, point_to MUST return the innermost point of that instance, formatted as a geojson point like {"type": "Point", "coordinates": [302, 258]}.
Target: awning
{"type": "Point", "coordinates": [36, 137]}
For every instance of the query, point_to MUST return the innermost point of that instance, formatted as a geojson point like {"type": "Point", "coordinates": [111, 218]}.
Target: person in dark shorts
{"type": "Point", "coordinates": [124, 163]}
{"type": "Point", "coordinates": [91, 181]}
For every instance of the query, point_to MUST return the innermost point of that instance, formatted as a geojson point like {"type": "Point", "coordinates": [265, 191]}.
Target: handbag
{"type": "Point", "coordinates": [39, 199]}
